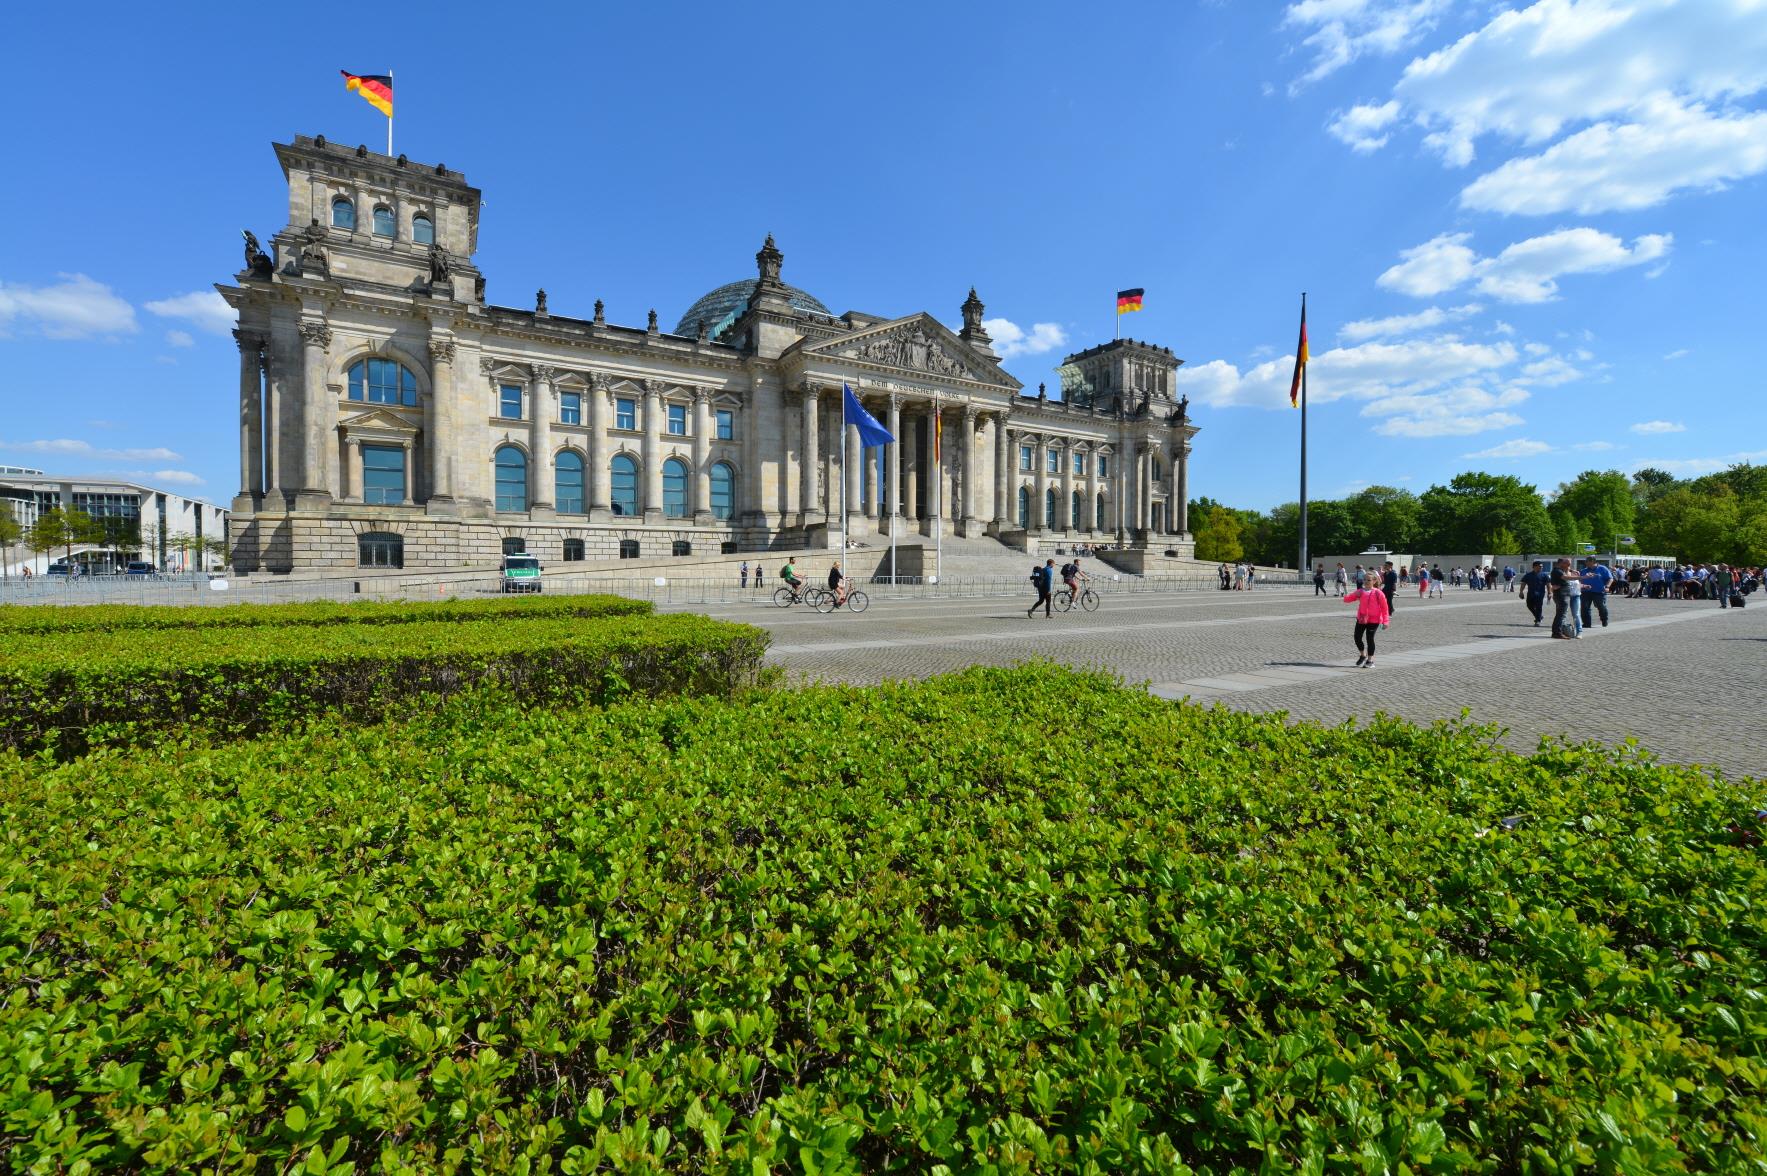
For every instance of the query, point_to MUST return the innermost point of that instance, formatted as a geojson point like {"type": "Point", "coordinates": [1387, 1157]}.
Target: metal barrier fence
{"type": "Point", "coordinates": [659, 589]}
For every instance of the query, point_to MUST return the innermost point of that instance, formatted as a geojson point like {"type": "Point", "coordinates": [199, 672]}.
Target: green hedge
{"type": "Point", "coordinates": [50, 618]}
{"type": "Point", "coordinates": [71, 690]}
{"type": "Point", "coordinates": [1008, 921]}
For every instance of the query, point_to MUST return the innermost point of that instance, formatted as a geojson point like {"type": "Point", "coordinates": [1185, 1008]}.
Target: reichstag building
{"type": "Point", "coordinates": [391, 417]}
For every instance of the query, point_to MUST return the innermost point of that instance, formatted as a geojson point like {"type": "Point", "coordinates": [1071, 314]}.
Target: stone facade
{"type": "Point", "coordinates": [380, 395]}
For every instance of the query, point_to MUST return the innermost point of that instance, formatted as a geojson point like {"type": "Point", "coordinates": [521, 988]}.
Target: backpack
{"type": "Point", "coordinates": [1037, 575]}
{"type": "Point", "coordinates": [782, 571]}
{"type": "Point", "coordinates": [1068, 570]}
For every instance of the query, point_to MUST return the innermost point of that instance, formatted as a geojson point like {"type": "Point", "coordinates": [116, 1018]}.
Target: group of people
{"type": "Point", "coordinates": [1692, 582]}
{"type": "Point", "coordinates": [1238, 577]}
{"type": "Point", "coordinates": [1043, 579]}
{"type": "Point", "coordinates": [1429, 580]}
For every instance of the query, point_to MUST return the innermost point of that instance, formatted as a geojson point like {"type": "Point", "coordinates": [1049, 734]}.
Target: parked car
{"type": "Point", "coordinates": [520, 573]}
{"type": "Point", "coordinates": [140, 567]}
{"type": "Point", "coordinates": [62, 568]}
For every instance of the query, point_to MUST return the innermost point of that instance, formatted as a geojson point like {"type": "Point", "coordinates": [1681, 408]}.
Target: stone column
{"type": "Point", "coordinates": [1144, 489]}
{"type": "Point", "coordinates": [442, 439]}
{"type": "Point", "coordinates": [1174, 475]}
{"type": "Point", "coordinates": [893, 456]}
{"type": "Point", "coordinates": [1040, 508]}
{"type": "Point", "coordinates": [541, 408]}
{"type": "Point", "coordinates": [809, 459]}
{"type": "Point", "coordinates": [600, 452]}
{"type": "Point", "coordinates": [315, 419]}
{"type": "Point", "coordinates": [251, 421]}
{"type": "Point", "coordinates": [873, 482]}
{"type": "Point", "coordinates": [1091, 515]}
{"type": "Point", "coordinates": [911, 478]}
{"type": "Point", "coordinates": [352, 479]}
{"type": "Point", "coordinates": [653, 457]}
{"type": "Point", "coordinates": [702, 457]}
{"type": "Point", "coordinates": [409, 492]}
{"type": "Point", "coordinates": [1002, 473]}
{"type": "Point", "coordinates": [1183, 508]}
{"type": "Point", "coordinates": [971, 425]}
{"type": "Point", "coordinates": [1067, 488]}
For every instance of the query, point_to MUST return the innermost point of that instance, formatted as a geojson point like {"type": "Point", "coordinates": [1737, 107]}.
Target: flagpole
{"type": "Point", "coordinates": [389, 116]}
{"type": "Point", "coordinates": [1304, 565]}
{"type": "Point", "coordinates": [938, 492]}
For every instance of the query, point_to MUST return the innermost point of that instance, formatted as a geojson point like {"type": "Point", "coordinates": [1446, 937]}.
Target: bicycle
{"type": "Point", "coordinates": [1087, 600]}
{"type": "Point", "coordinates": [855, 600]}
{"type": "Point", "coordinates": [785, 596]}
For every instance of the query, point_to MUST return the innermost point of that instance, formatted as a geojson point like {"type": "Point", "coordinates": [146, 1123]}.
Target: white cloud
{"type": "Point", "coordinates": [1625, 166]}
{"type": "Point", "coordinates": [203, 309]}
{"type": "Point", "coordinates": [1526, 271]}
{"type": "Point", "coordinates": [180, 339]}
{"type": "Point", "coordinates": [1678, 353]}
{"type": "Point", "coordinates": [74, 308]}
{"type": "Point", "coordinates": [1550, 372]}
{"type": "Point", "coordinates": [1520, 447]}
{"type": "Point", "coordinates": [1405, 324]}
{"type": "Point", "coordinates": [1340, 31]}
{"type": "Point", "coordinates": [1363, 127]}
{"type": "Point", "coordinates": [66, 447]}
{"type": "Point", "coordinates": [1528, 74]}
{"type": "Point", "coordinates": [175, 477]}
{"type": "Point", "coordinates": [1594, 446]}
{"type": "Point", "coordinates": [1646, 428]}
{"type": "Point", "coordinates": [1694, 466]}
{"type": "Point", "coordinates": [1012, 340]}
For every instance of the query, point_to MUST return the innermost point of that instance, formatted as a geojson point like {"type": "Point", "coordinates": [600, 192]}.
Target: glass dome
{"type": "Point", "coordinates": [720, 308]}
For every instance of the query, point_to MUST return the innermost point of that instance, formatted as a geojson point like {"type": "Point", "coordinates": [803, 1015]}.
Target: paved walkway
{"type": "Point", "coordinates": [1688, 680]}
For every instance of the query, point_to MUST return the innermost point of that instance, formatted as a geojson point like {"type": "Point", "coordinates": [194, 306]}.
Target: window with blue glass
{"type": "Point", "coordinates": [625, 414]}
{"type": "Point", "coordinates": [383, 474]}
{"type": "Point", "coordinates": [567, 478]}
{"type": "Point", "coordinates": [1079, 463]}
{"type": "Point", "coordinates": [677, 420]}
{"type": "Point", "coordinates": [343, 213]}
{"type": "Point", "coordinates": [509, 402]}
{"type": "Point", "coordinates": [512, 479]}
{"type": "Point", "coordinates": [1104, 466]}
{"type": "Point", "coordinates": [1100, 523]}
{"type": "Point", "coordinates": [1153, 461]}
{"type": "Point", "coordinates": [1024, 506]}
{"type": "Point", "coordinates": [1052, 461]}
{"type": "Point", "coordinates": [380, 549]}
{"type": "Point", "coordinates": [675, 488]}
{"type": "Point", "coordinates": [570, 408]}
{"type": "Point", "coordinates": [723, 491]}
{"type": "Point", "coordinates": [622, 474]}
{"type": "Point", "coordinates": [383, 221]}
{"type": "Point", "coordinates": [1077, 512]}
{"type": "Point", "coordinates": [423, 230]}
{"type": "Point", "coordinates": [726, 421]}
{"type": "Point", "coordinates": [1051, 518]}
{"type": "Point", "coordinates": [383, 381]}
{"type": "Point", "coordinates": [1025, 458]}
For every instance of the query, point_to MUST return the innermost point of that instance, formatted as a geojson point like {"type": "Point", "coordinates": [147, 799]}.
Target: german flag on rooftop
{"type": "Point", "coordinates": [376, 88]}
{"type": "Point", "coordinates": [1128, 300]}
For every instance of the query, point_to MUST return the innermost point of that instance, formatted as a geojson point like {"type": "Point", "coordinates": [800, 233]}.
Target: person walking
{"type": "Point", "coordinates": [1508, 578]}
{"type": "Point", "coordinates": [1436, 580]}
{"type": "Point", "coordinates": [1389, 584]}
{"type": "Point", "coordinates": [1423, 582]}
{"type": "Point", "coordinates": [1596, 578]}
{"type": "Point", "coordinates": [1724, 580]}
{"type": "Point", "coordinates": [742, 577]}
{"type": "Point", "coordinates": [1319, 580]}
{"type": "Point", "coordinates": [1372, 615]}
{"type": "Point", "coordinates": [1343, 580]}
{"type": "Point", "coordinates": [1534, 585]}
{"type": "Point", "coordinates": [1044, 579]}
{"type": "Point", "coordinates": [1566, 587]}
{"type": "Point", "coordinates": [1239, 577]}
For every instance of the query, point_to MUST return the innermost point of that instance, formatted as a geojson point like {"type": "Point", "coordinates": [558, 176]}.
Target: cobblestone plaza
{"type": "Point", "coordinates": [1685, 679]}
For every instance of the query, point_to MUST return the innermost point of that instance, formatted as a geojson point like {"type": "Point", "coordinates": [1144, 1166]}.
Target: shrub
{"type": "Point", "coordinates": [52, 618]}
{"type": "Point", "coordinates": [69, 690]}
{"type": "Point", "coordinates": [1009, 920]}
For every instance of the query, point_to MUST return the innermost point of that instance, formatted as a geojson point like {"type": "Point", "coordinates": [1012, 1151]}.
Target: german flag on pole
{"type": "Point", "coordinates": [1294, 385]}
{"type": "Point", "coordinates": [376, 88]}
{"type": "Point", "coordinates": [1128, 300]}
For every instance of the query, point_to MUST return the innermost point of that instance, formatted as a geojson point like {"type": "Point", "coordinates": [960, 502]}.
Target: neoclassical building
{"type": "Point", "coordinates": [391, 417]}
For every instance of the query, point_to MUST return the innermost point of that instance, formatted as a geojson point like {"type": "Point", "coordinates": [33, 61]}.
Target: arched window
{"type": "Point", "coordinates": [1024, 506]}
{"type": "Point", "coordinates": [1076, 512]}
{"type": "Point", "coordinates": [567, 496]}
{"type": "Point", "coordinates": [675, 488]}
{"type": "Point", "coordinates": [343, 213]}
{"type": "Point", "coordinates": [623, 475]}
{"type": "Point", "coordinates": [1051, 515]}
{"type": "Point", "coordinates": [380, 549]}
{"type": "Point", "coordinates": [383, 381]}
{"type": "Point", "coordinates": [423, 230]}
{"type": "Point", "coordinates": [383, 221]}
{"type": "Point", "coordinates": [723, 491]}
{"type": "Point", "coordinates": [1100, 523]}
{"type": "Point", "coordinates": [512, 479]}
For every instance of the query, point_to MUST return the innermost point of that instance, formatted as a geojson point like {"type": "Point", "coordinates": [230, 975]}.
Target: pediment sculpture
{"type": "Point", "coordinates": [914, 350]}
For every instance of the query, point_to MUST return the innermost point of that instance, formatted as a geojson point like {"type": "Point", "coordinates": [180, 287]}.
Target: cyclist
{"type": "Point", "coordinates": [837, 584]}
{"type": "Point", "coordinates": [1071, 575]}
{"type": "Point", "coordinates": [789, 573]}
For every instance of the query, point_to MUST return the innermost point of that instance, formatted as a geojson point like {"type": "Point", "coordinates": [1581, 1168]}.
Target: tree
{"type": "Point", "coordinates": [1457, 518]}
{"type": "Point", "coordinates": [1602, 502]}
{"type": "Point", "coordinates": [1382, 514]}
{"type": "Point", "coordinates": [1218, 541]}
{"type": "Point", "coordinates": [56, 527]}
{"type": "Point", "coordinates": [1701, 527]}
{"type": "Point", "coordinates": [1567, 531]}
{"type": "Point", "coordinates": [11, 531]}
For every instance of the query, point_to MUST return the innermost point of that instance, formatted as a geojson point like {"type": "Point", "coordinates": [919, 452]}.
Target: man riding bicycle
{"type": "Point", "coordinates": [837, 584]}
{"type": "Point", "coordinates": [789, 573]}
{"type": "Point", "coordinates": [1071, 575]}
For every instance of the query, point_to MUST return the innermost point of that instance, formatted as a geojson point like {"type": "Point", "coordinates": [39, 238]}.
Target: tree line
{"type": "Point", "coordinates": [1717, 518]}
{"type": "Point", "coordinates": [58, 529]}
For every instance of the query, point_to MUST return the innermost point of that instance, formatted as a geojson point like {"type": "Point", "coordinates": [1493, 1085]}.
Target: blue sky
{"type": "Point", "coordinates": [1525, 230]}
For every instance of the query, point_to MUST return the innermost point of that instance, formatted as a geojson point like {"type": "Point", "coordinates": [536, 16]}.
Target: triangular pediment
{"type": "Point", "coordinates": [378, 419]}
{"type": "Point", "coordinates": [919, 344]}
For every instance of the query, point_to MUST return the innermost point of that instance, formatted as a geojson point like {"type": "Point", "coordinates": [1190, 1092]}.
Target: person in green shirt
{"type": "Point", "coordinates": [1723, 581]}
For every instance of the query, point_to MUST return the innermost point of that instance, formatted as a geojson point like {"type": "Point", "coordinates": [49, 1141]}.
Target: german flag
{"type": "Point", "coordinates": [376, 88]}
{"type": "Point", "coordinates": [1294, 385]}
{"type": "Point", "coordinates": [1128, 300]}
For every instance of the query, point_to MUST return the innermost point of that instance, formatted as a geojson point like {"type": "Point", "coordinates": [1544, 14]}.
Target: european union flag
{"type": "Point", "coordinates": [870, 432]}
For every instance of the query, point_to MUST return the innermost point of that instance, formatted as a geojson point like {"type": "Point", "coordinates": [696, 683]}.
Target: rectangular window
{"type": "Point", "coordinates": [626, 414]}
{"type": "Point", "coordinates": [681, 547]}
{"type": "Point", "coordinates": [1080, 463]}
{"type": "Point", "coordinates": [383, 474]}
{"type": "Point", "coordinates": [726, 424]}
{"type": "Point", "coordinates": [677, 420]}
{"type": "Point", "coordinates": [1025, 458]}
{"type": "Point", "coordinates": [573, 551]}
{"type": "Point", "coordinates": [509, 402]}
{"type": "Point", "coordinates": [1104, 466]}
{"type": "Point", "coordinates": [628, 549]}
{"type": "Point", "coordinates": [1052, 461]}
{"type": "Point", "coordinates": [570, 408]}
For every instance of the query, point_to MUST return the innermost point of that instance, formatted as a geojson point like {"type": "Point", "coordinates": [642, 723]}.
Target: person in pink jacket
{"type": "Point", "coordinates": [1371, 614]}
